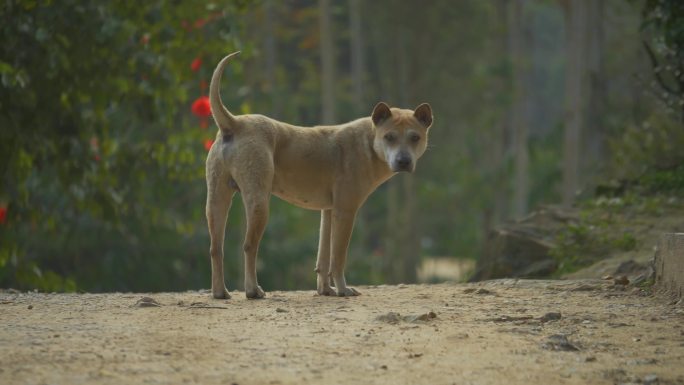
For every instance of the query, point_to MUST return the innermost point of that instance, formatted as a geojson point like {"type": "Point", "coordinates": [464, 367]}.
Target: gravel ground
{"type": "Point", "coordinates": [504, 331]}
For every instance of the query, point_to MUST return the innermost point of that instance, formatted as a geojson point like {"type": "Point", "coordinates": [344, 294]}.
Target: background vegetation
{"type": "Point", "coordinates": [535, 101]}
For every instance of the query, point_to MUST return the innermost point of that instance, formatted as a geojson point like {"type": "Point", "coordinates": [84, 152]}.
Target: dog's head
{"type": "Point", "coordinates": [401, 135]}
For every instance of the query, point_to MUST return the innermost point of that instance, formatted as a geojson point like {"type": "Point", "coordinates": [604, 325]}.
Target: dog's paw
{"type": "Point", "coordinates": [348, 292]}
{"type": "Point", "coordinates": [221, 294]}
{"type": "Point", "coordinates": [256, 293]}
{"type": "Point", "coordinates": [327, 291]}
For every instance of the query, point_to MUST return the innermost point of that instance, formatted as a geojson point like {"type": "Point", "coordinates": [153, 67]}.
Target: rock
{"type": "Point", "coordinates": [471, 290]}
{"type": "Point", "coordinates": [281, 310]}
{"type": "Point", "coordinates": [639, 279]}
{"type": "Point", "coordinates": [420, 317]}
{"type": "Point", "coordinates": [559, 342]}
{"type": "Point", "coordinates": [30, 307]}
{"type": "Point", "coordinates": [586, 287]}
{"type": "Point", "coordinates": [147, 302]}
{"type": "Point", "coordinates": [505, 318]}
{"type": "Point", "coordinates": [541, 268]}
{"type": "Point", "coordinates": [552, 316]}
{"type": "Point", "coordinates": [621, 280]}
{"type": "Point", "coordinates": [204, 305]}
{"type": "Point", "coordinates": [522, 248]}
{"type": "Point", "coordinates": [629, 267]}
{"type": "Point", "coordinates": [390, 317]}
{"type": "Point", "coordinates": [650, 379]}
{"type": "Point", "coordinates": [394, 318]}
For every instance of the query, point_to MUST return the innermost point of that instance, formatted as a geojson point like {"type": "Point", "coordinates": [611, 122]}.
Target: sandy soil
{"type": "Point", "coordinates": [485, 333]}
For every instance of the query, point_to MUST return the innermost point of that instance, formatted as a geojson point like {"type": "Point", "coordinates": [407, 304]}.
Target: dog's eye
{"type": "Point", "coordinates": [414, 138]}
{"type": "Point", "coordinates": [390, 138]}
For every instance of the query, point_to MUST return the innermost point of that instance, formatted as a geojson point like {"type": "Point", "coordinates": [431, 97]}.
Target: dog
{"type": "Point", "coordinates": [328, 168]}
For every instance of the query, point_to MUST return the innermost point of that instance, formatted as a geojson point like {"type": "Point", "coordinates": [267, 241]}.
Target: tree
{"type": "Point", "coordinates": [519, 123]}
{"type": "Point", "coordinates": [576, 64]}
{"type": "Point", "coordinates": [664, 20]}
{"type": "Point", "coordinates": [96, 124]}
{"type": "Point", "coordinates": [327, 64]}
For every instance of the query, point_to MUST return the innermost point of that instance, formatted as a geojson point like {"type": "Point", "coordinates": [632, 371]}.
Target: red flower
{"type": "Point", "coordinates": [3, 214]}
{"type": "Point", "coordinates": [185, 25]}
{"type": "Point", "coordinates": [94, 143]}
{"type": "Point", "coordinates": [196, 64]}
{"type": "Point", "coordinates": [201, 107]}
{"type": "Point", "coordinates": [208, 143]}
{"type": "Point", "coordinates": [199, 23]}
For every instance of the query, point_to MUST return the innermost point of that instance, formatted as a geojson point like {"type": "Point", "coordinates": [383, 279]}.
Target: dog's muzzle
{"type": "Point", "coordinates": [402, 163]}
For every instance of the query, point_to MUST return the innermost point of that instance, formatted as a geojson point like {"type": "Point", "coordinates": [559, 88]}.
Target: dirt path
{"type": "Point", "coordinates": [487, 333]}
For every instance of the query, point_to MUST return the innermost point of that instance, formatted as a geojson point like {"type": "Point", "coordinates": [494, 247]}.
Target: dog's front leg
{"type": "Point", "coordinates": [323, 258]}
{"type": "Point", "coordinates": [342, 225]}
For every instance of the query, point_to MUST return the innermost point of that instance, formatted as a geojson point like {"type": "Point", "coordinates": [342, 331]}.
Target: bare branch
{"type": "Point", "coordinates": [656, 72]}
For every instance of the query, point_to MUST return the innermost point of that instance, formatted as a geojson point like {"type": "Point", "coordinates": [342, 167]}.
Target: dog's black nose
{"type": "Point", "coordinates": [403, 163]}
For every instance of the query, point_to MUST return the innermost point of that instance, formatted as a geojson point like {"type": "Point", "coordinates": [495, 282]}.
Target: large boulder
{"type": "Point", "coordinates": [522, 248]}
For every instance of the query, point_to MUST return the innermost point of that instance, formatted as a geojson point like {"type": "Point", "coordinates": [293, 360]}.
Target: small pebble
{"type": "Point", "coordinates": [30, 307]}
{"type": "Point", "coordinates": [650, 379]}
{"type": "Point", "coordinates": [551, 316]}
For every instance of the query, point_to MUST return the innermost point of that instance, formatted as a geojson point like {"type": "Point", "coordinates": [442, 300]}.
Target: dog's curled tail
{"type": "Point", "coordinates": [224, 119]}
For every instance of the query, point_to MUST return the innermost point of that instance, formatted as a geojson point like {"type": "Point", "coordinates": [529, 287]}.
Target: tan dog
{"type": "Point", "coordinates": [328, 168]}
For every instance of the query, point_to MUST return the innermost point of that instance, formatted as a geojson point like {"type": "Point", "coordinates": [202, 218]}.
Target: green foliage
{"type": "Point", "coordinates": [654, 144]}
{"type": "Point", "coordinates": [671, 180]}
{"type": "Point", "coordinates": [596, 235]}
{"type": "Point", "coordinates": [665, 17]}
{"type": "Point", "coordinates": [96, 128]}
{"type": "Point", "coordinates": [102, 163]}
{"type": "Point", "coordinates": [663, 20]}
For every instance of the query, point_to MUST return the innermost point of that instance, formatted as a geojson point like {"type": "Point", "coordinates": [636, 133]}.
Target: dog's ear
{"type": "Point", "coordinates": [381, 112]}
{"type": "Point", "coordinates": [423, 114]}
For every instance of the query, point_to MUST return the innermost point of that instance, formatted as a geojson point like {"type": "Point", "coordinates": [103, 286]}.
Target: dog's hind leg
{"type": "Point", "coordinates": [256, 208]}
{"type": "Point", "coordinates": [323, 258]}
{"type": "Point", "coordinates": [219, 198]}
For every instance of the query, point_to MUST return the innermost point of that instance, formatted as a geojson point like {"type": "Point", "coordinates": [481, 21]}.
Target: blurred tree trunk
{"type": "Point", "coordinates": [271, 58]}
{"type": "Point", "coordinates": [408, 236]}
{"type": "Point", "coordinates": [327, 64]}
{"type": "Point", "coordinates": [576, 26]}
{"type": "Point", "coordinates": [402, 252]}
{"type": "Point", "coordinates": [360, 108]}
{"type": "Point", "coordinates": [499, 210]}
{"type": "Point", "coordinates": [357, 59]}
{"type": "Point", "coordinates": [519, 121]}
{"type": "Point", "coordinates": [594, 132]}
